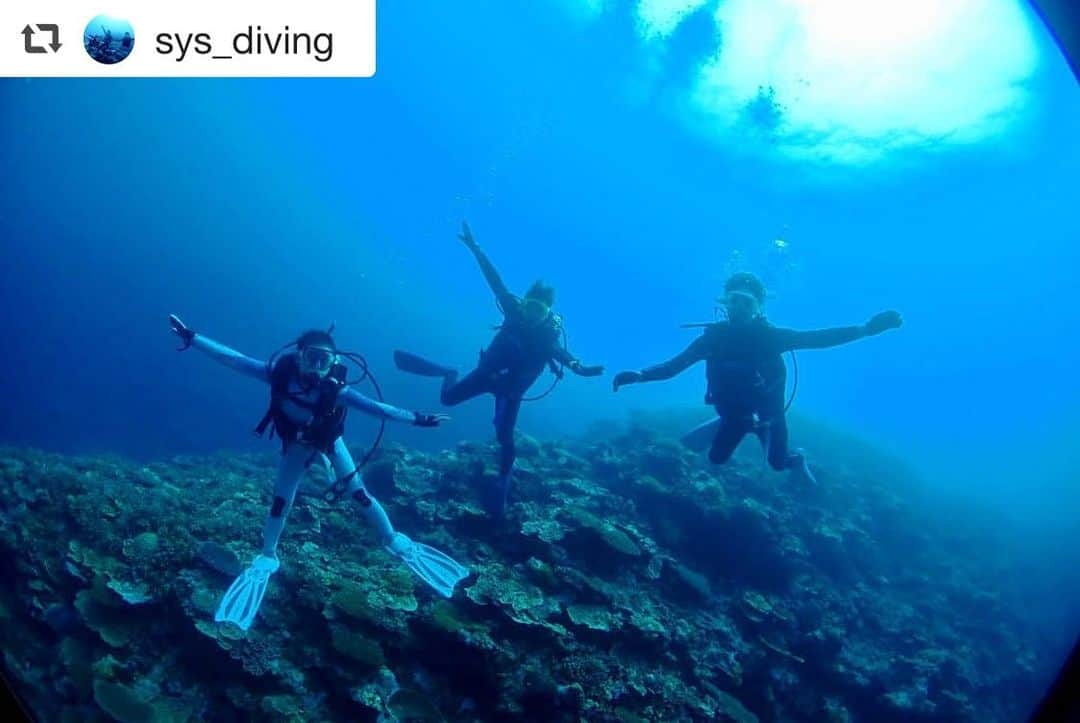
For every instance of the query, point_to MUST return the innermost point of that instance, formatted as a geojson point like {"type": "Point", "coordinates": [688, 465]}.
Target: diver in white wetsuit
{"type": "Point", "coordinates": [309, 398]}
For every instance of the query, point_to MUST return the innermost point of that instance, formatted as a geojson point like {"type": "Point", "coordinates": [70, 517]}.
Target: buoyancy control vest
{"type": "Point", "coordinates": [327, 422]}
{"type": "Point", "coordinates": [744, 370]}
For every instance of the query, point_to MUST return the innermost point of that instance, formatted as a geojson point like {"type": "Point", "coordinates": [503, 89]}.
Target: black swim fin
{"type": "Point", "coordinates": [413, 364]}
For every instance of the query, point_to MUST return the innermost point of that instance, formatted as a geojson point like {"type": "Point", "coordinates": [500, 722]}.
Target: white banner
{"type": "Point", "coordinates": [187, 38]}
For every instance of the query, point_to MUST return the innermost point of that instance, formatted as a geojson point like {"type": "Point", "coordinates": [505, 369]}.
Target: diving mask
{"type": "Point", "coordinates": [535, 310]}
{"type": "Point", "coordinates": [741, 304]}
{"type": "Point", "coordinates": [317, 359]}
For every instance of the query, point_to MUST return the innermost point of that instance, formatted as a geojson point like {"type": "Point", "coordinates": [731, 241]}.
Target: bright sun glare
{"type": "Point", "coordinates": [852, 80]}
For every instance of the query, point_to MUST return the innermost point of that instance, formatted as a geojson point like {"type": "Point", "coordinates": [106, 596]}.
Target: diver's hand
{"type": "Point", "coordinates": [429, 420]}
{"type": "Point", "coordinates": [467, 237]}
{"type": "Point", "coordinates": [587, 371]}
{"type": "Point", "coordinates": [178, 327]}
{"type": "Point", "coordinates": [882, 322]}
{"type": "Point", "coordinates": [624, 378]}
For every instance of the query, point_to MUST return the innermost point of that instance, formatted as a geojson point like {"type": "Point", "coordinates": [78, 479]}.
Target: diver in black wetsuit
{"type": "Point", "coordinates": [529, 339]}
{"type": "Point", "coordinates": [746, 372]}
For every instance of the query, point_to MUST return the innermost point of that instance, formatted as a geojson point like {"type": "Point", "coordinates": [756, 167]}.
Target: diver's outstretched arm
{"type": "Point", "coordinates": [796, 339]}
{"type": "Point", "coordinates": [382, 410]}
{"type": "Point", "coordinates": [665, 370]}
{"type": "Point", "coordinates": [219, 352]}
{"type": "Point", "coordinates": [791, 340]}
{"type": "Point", "coordinates": [505, 298]}
{"type": "Point", "coordinates": [563, 356]}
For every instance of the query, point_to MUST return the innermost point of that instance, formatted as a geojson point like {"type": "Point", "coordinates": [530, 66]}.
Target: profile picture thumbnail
{"type": "Point", "coordinates": [108, 39]}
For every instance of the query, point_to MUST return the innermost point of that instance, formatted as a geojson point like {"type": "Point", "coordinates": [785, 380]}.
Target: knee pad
{"type": "Point", "coordinates": [278, 507]}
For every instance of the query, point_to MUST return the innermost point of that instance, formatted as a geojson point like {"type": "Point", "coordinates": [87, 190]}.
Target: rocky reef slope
{"type": "Point", "coordinates": [629, 582]}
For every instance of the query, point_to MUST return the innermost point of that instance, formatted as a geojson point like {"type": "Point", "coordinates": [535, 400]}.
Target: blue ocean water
{"type": "Point", "coordinates": [256, 209]}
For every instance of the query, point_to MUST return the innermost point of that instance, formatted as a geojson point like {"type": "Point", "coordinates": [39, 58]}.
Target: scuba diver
{"type": "Point", "coordinates": [746, 374]}
{"type": "Point", "coordinates": [309, 397]}
{"type": "Point", "coordinates": [530, 338]}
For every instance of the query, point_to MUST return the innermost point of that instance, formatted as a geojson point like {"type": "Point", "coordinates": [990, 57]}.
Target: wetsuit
{"type": "Point", "coordinates": [295, 412]}
{"type": "Point", "coordinates": [746, 378]}
{"type": "Point", "coordinates": [511, 363]}
{"type": "Point", "coordinates": [309, 415]}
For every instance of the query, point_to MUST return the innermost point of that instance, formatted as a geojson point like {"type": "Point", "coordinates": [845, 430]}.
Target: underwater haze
{"type": "Point", "coordinates": [632, 154]}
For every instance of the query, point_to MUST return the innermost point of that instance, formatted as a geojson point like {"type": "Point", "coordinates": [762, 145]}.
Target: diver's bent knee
{"type": "Point", "coordinates": [277, 509]}
{"type": "Point", "coordinates": [719, 457]}
{"type": "Point", "coordinates": [450, 399]}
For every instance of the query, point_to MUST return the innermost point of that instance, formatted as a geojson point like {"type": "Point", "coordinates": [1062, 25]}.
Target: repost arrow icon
{"type": "Point", "coordinates": [28, 43]}
{"type": "Point", "coordinates": [55, 30]}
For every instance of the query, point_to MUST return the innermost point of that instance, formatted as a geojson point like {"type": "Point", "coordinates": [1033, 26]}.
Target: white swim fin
{"type": "Point", "coordinates": [245, 595]}
{"type": "Point", "coordinates": [435, 568]}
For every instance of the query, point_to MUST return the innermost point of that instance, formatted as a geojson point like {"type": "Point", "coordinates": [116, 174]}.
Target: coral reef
{"type": "Point", "coordinates": [629, 581]}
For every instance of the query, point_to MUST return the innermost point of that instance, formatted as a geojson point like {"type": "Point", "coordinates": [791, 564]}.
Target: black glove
{"type": "Point", "coordinates": [186, 335]}
{"type": "Point", "coordinates": [624, 378]}
{"type": "Point", "coordinates": [428, 420]}
{"type": "Point", "coordinates": [593, 371]}
{"type": "Point", "coordinates": [882, 322]}
{"type": "Point", "coordinates": [467, 238]}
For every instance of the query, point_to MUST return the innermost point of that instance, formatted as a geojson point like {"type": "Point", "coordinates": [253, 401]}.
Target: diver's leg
{"type": "Point", "coordinates": [475, 383]}
{"type": "Point", "coordinates": [481, 380]}
{"type": "Point", "coordinates": [434, 567]}
{"type": "Point", "coordinates": [506, 415]}
{"type": "Point", "coordinates": [452, 391]}
{"type": "Point", "coordinates": [733, 427]}
{"type": "Point", "coordinates": [290, 471]}
{"type": "Point", "coordinates": [701, 437]}
{"type": "Point", "coordinates": [241, 601]}
{"type": "Point", "coordinates": [779, 456]}
{"type": "Point", "coordinates": [374, 514]}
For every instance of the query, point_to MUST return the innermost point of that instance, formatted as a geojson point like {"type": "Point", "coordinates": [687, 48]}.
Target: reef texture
{"type": "Point", "coordinates": [629, 581]}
